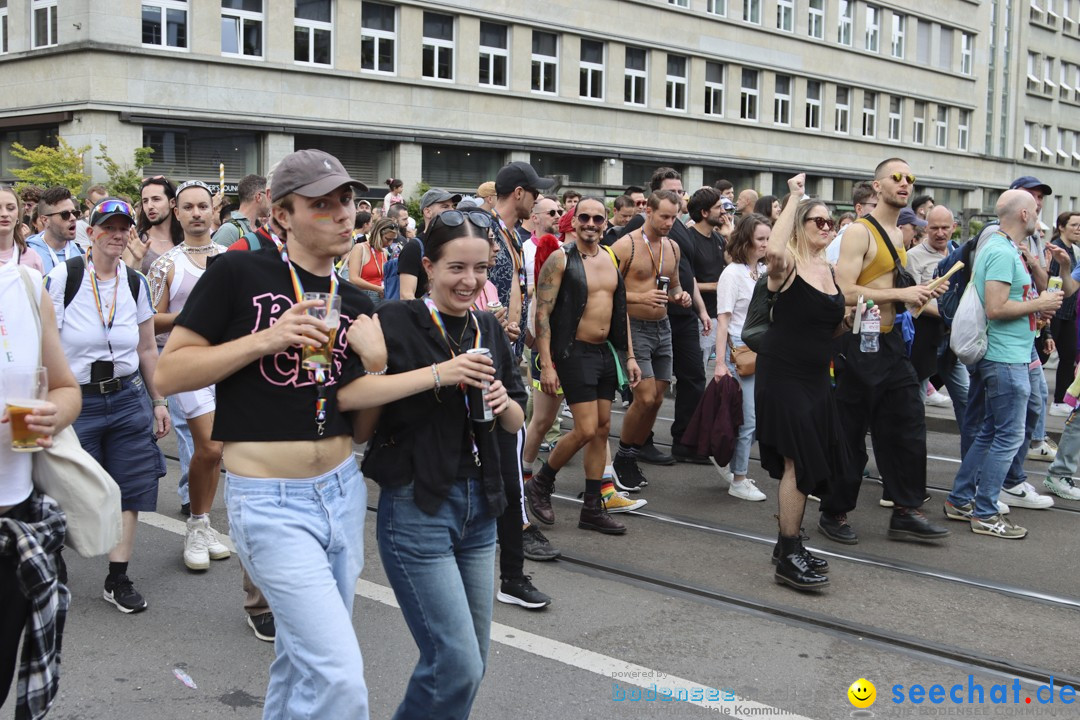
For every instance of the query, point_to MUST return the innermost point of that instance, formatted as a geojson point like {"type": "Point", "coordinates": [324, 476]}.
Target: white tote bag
{"type": "Point", "coordinates": [968, 339]}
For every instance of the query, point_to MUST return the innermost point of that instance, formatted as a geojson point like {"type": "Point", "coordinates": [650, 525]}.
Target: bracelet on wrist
{"type": "Point", "coordinates": [160, 402]}
{"type": "Point", "coordinates": [379, 372]}
{"type": "Point", "coordinates": [435, 374]}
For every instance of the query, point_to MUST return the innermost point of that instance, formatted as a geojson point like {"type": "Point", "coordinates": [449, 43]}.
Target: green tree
{"type": "Point", "coordinates": [124, 180]}
{"type": "Point", "coordinates": [413, 203]}
{"type": "Point", "coordinates": [51, 166]}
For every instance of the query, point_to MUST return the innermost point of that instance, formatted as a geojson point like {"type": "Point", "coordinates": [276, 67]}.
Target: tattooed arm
{"type": "Point", "coordinates": [547, 290]}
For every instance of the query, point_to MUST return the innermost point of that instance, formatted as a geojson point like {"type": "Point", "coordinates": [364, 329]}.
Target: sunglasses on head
{"type": "Point", "coordinates": [897, 177]}
{"type": "Point", "coordinates": [822, 223]}
{"type": "Point", "coordinates": [454, 218]}
{"type": "Point", "coordinates": [64, 214]}
{"type": "Point", "coordinates": [584, 218]}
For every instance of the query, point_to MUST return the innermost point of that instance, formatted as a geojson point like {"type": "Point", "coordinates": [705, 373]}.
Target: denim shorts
{"type": "Point", "coordinates": [652, 347]}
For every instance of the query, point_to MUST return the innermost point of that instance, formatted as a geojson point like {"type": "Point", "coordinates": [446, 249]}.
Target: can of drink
{"type": "Point", "coordinates": [494, 306]}
{"type": "Point", "coordinates": [1054, 284]}
{"type": "Point", "coordinates": [479, 410]}
{"type": "Point", "coordinates": [663, 282]}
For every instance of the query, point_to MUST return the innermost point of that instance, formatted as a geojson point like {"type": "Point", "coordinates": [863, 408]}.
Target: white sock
{"type": "Point", "coordinates": [204, 516]}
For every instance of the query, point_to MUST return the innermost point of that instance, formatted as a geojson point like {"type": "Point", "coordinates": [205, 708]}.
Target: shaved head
{"type": "Point", "coordinates": [1012, 202]}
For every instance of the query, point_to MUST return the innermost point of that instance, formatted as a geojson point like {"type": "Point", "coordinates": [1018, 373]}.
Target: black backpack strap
{"type": "Point", "coordinates": [76, 267]}
{"type": "Point", "coordinates": [133, 283]}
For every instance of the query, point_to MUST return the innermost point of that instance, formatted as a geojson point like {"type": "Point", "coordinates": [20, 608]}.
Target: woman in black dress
{"type": "Point", "coordinates": [797, 423]}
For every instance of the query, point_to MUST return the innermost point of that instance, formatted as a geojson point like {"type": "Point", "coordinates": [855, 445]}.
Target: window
{"type": "Point", "coordinates": [1033, 81]}
{"type": "Point", "coordinates": [816, 25]}
{"type": "Point", "coordinates": [494, 54]}
{"type": "Point", "coordinates": [378, 37]}
{"type": "Point", "coordinates": [438, 52]}
{"type": "Point", "coordinates": [43, 31]}
{"type": "Point", "coordinates": [636, 70]}
{"type": "Point", "coordinates": [714, 89]}
{"type": "Point", "coordinates": [1064, 89]}
{"type": "Point", "coordinates": [197, 152]}
{"type": "Point", "coordinates": [813, 105]}
{"type": "Point", "coordinates": [1044, 144]}
{"type": "Point", "coordinates": [3, 27]}
{"type": "Point", "coordinates": [869, 115]}
{"type": "Point", "coordinates": [242, 28]}
{"type": "Point", "coordinates": [967, 48]}
{"type": "Point", "coordinates": [785, 15]}
{"type": "Point", "coordinates": [676, 83]}
{"type": "Point", "coordinates": [751, 11]}
{"type": "Point", "coordinates": [873, 27]}
{"type": "Point", "coordinates": [545, 62]}
{"type": "Point", "coordinates": [1030, 153]}
{"type": "Point", "coordinates": [782, 100]}
{"type": "Point", "coordinates": [843, 32]}
{"type": "Point", "coordinates": [1075, 148]}
{"type": "Point", "coordinates": [592, 69]}
{"type": "Point", "coordinates": [899, 35]}
{"type": "Point", "coordinates": [451, 166]}
{"type": "Point", "coordinates": [679, 3]}
{"type": "Point", "coordinates": [164, 24]}
{"type": "Point", "coordinates": [716, 7]}
{"type": "Point", "coordinates": [842, 123]}
{"type": "Point", "coordinates": [941, 127]}
{"type": "Point", "coordinates": [313, 32]}
{"type": "Point", "coordinates": [922, 48]}
{"type": "Point", "coordinates": [918, 123]}
{"type": "Point", "coordinates": [896, 117]}
{"type": "Point", "coordinates": [1063, 156]}
{"type": "Point", "coordinates": [1048, 73]}
{"type": "Point", "coordinates": [945, 44]}
{"type": "Point", "coordinates": [748, 98]}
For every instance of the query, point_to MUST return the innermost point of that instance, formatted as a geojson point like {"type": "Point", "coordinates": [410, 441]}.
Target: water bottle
{"type": "Point", "coordinates": [870, 329]}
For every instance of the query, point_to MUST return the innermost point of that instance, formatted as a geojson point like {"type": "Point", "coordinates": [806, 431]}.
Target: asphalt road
{"type": "Point", "coordinates": [684, 601]}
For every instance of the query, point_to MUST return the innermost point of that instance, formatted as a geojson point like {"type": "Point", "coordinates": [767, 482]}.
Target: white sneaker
{"type": "Point", "coordinates": [746, 490]}
{"type": "Point", "coordinates": [566, 411]}
{"type": "Point", "coordinates": [196, 552]}
{"type": "Point", "coordinates": [1003, 509]}
{"type": "Point", "coordinates": [936, 399]}
{"type": "Point", "coordinates": [1042, 451]}
{"type": "Point", "coordinates": [726, 475]}
{"type": "Point", "coordinates": [1060, 410]}
{"type": "Point", "coordinates": [1063, 487]}
{"type": "Point", "coordinates": [1025, 496]}
{"type": "Point", "coordinates": [214, 546]}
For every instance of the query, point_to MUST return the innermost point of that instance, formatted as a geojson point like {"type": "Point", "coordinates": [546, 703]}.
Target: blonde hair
{"type": "Point", "coordinates": [799, 244]}
{"type": "Point", "coordinates": [375, 235]}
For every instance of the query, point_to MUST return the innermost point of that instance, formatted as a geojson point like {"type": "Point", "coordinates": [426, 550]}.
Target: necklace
{"type": "Point", "coordinates": [198, 249]}
{"type": "Point", "coordinates": [461, 337]}
{"type": "Point", "coordinates": [586, 255]}
{"type": "Point", "coordinates": [755, 273]}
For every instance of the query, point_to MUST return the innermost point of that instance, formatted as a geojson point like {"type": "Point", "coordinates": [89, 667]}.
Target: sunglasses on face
{"type": "Point", "coordinates": [822, 223]}
{"type": "Point", "coordinates": [584, 218]}
{"type": "Point", "coordinates": [641, 203]}
{"type": "Point", "coordinates": [64, 214]}
{"type": "Point", "coordinates": [454, 218]}
{"type": "Point", "coordinates": [897, 177]}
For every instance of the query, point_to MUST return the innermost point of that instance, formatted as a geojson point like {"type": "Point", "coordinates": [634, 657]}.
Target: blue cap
{"type": "Point", "coordinates": [1028, 182]}
{"type": "Point", "coordinates": [908, 217]}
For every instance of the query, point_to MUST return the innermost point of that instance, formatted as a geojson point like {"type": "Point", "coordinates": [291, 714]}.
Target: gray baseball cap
{"type": "Point", "coordinates": [435, 195]}
{"type": "Point", "coordinates": [310, 173]}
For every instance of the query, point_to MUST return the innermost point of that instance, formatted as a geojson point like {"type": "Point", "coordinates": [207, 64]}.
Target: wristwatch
{"type": "Point", "coordinates": [162, 402]}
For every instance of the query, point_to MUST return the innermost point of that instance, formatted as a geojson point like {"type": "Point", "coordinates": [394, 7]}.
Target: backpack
{"type": "Point", "coordinates": [949, 303]}
{"type": "Point", "coordinates": [391, 281]}
{"type": "Point", "coordinates": [969, 329]}
{"type": "Point", "coordinates": [76, 268]}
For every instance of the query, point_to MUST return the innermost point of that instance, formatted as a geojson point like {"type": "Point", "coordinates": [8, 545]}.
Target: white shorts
{"type": "Point", "coordinates": [197, 402]}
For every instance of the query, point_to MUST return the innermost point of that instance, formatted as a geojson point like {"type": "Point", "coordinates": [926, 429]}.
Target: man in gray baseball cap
{"type": "Point", "coordinates": [311, 173]}
{"type": "Point", "coordinates": [411, 274]}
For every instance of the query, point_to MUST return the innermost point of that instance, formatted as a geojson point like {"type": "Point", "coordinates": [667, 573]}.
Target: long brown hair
{"type": "Point", "coordinates": [742, 239]}
{"type": "Point", "coordinates": [375, 235]}
{"type": "Point", "coordinates": [20, 234]}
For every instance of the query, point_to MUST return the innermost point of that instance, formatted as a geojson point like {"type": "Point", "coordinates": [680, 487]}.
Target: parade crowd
{"type": "Point", "coordinates": [273, 335]}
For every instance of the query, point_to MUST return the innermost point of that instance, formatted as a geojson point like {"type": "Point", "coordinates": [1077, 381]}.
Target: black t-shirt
{"type": "Point", "coordinates": [273, 398]}
{"type": "Point", "coordinates": [708, 263]}
{"type": "Point", "coordinates": [410, 263]}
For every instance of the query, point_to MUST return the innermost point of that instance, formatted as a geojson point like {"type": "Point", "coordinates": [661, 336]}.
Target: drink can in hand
{"type": "Point", "coordinates": [479, 410]}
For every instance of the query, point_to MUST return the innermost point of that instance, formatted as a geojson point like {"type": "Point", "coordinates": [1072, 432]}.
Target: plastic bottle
{"type": "Point", "coordinates": [870, 329]}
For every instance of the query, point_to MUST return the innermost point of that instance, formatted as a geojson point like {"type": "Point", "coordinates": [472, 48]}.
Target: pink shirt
{"type": "Point", "coordinates": [27, 257]}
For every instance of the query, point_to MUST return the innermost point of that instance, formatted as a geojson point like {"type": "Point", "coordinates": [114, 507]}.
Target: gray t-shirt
{"type": "Point", "coordinates": [229, 233]}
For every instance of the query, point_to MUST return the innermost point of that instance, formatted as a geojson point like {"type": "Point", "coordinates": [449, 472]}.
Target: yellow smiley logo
{"type": "Point", "coordinates": [862, 693]}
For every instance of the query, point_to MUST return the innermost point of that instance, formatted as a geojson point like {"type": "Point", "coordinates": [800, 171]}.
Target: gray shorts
{"type": "Point", "coordinates": [652, 347]}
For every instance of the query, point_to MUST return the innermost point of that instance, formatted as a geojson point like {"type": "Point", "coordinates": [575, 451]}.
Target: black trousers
{"type": "Point", "coordinates": [509, 525]}
{"type": "Point", "coordinates": [880, 392]}
{"type": "Point", "coordinates": [14, 609]}
{"type": "Point", "coordinates": [688, 369]}
{"type": "Point", "coordinates": [1064, 333]}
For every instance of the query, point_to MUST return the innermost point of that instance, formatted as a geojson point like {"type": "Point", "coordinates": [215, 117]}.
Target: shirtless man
{"type": "Point", "coordinates": [577, 349]}
{"type": "Point", "coordinates": [880, 391]}
{"type": "Point", "coordinates": [296, 499]}
{"type": "Point", "coordinates": [172, 276]}
{"type": "Point", "coordinates": [645, 256]}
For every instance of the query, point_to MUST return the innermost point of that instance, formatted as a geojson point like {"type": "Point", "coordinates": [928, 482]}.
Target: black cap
{"type": "Point", "coordinates": [520, 174]}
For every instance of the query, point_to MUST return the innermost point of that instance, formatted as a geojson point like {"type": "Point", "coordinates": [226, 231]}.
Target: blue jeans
{"type": "Point", "coordinates": [302, 542]}
{"type": "Point", "coordinates": [1007, 387]}
{"type": "Point", "coordinates": [185, 447]}
{"type": "Point", "coordinates": [442, 569]}
{"type": "Point", "coordinates": [957, 383]}
{"type": "Point", "coordinates": [1034, 423]}
{"type": "Point", "coordinates": [740, 461]}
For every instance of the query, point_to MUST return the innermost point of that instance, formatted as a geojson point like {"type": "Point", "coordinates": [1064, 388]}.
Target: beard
{"type": "Point", "coordinates": [160, 219]}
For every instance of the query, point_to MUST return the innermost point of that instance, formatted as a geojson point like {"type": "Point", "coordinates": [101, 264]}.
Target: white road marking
{"type": "Point", "coordinates": [617, 671]}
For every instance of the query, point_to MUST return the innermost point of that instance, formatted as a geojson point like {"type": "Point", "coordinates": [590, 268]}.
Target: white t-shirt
{"type": "Point", "coordinates": [19, 347]}
{"type": "Point", "coordinates": [733, 292]}
{"type": "Point", "coordinates": [832, 252]}
{"type": "Point", "coordinates": [82, 333]}
{"type": "Point", "coordinates": [529, 252]}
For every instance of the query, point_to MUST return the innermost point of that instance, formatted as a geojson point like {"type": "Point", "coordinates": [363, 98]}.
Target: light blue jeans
{"type": "Point", "coordinates": [740, 461]}
{"type": "Point", "coordinates": [1006, 388]}
{"type": "Point", "coordinates": [302, 542]}
{"type": "Point", "coordinates": [442, 569]}
{"type": "Point", "coordinates": [185, 448]}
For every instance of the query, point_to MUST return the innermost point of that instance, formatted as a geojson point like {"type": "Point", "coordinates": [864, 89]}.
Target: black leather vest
{"type": "Point", "coordinates": [570, 305]}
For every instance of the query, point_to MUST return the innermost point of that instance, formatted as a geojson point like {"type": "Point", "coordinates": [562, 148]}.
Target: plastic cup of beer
{"type": "Point", "coordinates": [25, 390]}
{"type": "Point", "coordinates": [317, 357]}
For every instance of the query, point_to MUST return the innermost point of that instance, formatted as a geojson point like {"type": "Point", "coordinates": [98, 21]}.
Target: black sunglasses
{"type": "Point", "coordinates": [553, 213]}
{"type": "Point", "coordinates": [597, 219]}
{"type": "Point", "coordinates": [64, 214]}
{"type": "Point", "coordinates": [823, 223]}
{"type": "Point", "coordinates": [454, 218]}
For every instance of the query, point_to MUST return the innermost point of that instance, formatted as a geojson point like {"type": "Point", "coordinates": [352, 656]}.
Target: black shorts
{"type": "Point", "coordinates": [588, 373]}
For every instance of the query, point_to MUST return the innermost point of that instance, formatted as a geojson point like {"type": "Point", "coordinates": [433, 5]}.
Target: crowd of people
{"type": "Point", "coordinates": [273, 335]}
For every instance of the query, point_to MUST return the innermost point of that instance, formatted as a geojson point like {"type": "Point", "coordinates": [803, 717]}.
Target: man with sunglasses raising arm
{"type": "Point", "coordinates": [56, 243]}
{"type": "Point", "coordinates": [880, 391]}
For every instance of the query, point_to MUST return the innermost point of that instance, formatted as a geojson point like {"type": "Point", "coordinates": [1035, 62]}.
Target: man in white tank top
{"type": "Point", "coordinates": [172, 277]}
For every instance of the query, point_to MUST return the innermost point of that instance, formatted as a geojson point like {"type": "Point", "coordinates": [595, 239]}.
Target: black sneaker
{"type": "Point", "coordinates": [911, 524]}
{"type": "Point", "coordinates": [652, 455]}
{"type": "Point", "coordinates": [185, 509]}
{"type": "Point", "coordinates": [683, 454]}
{"type": "Point", "coordinates": [837, 528]}
{"type": "Point", "coordinates": [537, 547]}
{"type": "Point", "coordinates": [628, 475]}
{"type": "Point", "coordinates": [263, 625]}
{"type": "Point", "coordinates": [520, 591]}
{"type": "Point", "coordinates": [121, 593]}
